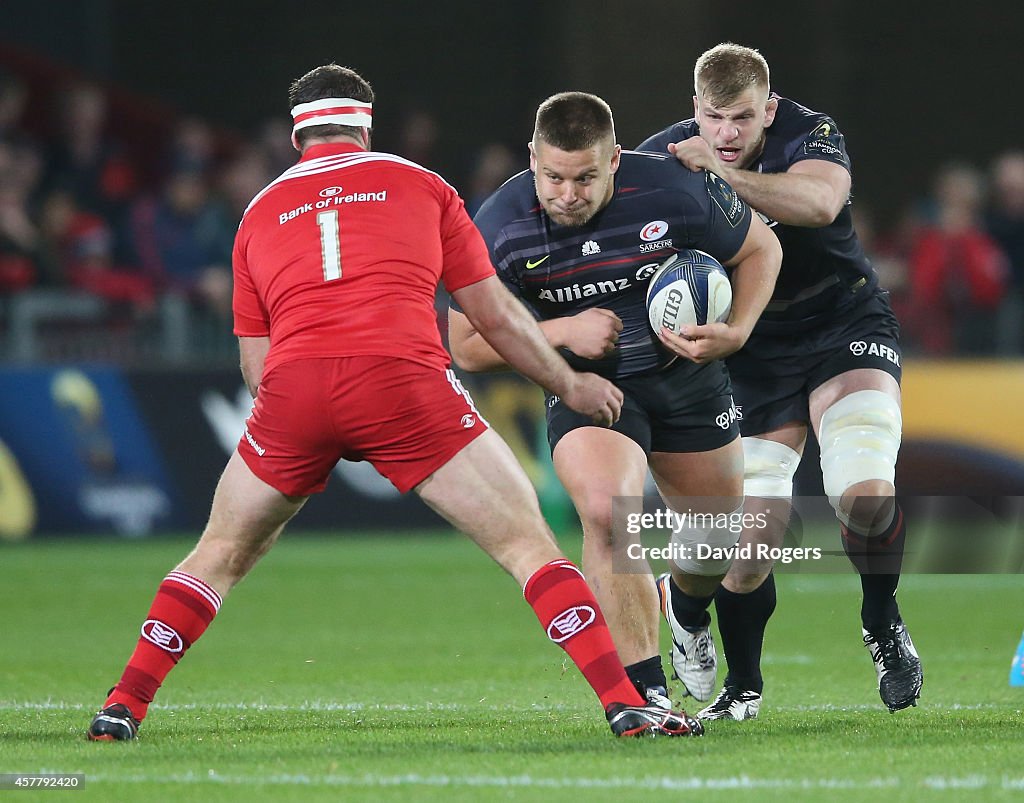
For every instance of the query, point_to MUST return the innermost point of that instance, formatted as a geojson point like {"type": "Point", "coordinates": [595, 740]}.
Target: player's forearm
{"type": "Point", "coordinates": [523, 345]}
{"type": "Point", "coordinates": [474, 353]}
{"type": "Point", "coordinates": [495, 330]}
{"type": "Point", "coordinates": [753, 282]}
{"type": "Point", "coordinates": [791, 198]}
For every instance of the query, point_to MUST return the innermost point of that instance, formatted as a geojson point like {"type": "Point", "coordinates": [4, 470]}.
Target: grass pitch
{"type": "Point", "coordinates": [409, 668]}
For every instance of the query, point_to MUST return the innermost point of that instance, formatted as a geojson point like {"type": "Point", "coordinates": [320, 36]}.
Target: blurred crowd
{"type": "Point", "coordinates": [75, 212]}
{"type": "Point", "coordinates": [80, 215]}
{"type": "Point", "coordinates": [954, 262]}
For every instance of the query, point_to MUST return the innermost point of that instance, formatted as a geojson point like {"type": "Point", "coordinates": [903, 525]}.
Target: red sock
{"type": "Point", "coordinates": [183, 608]}
{"type": "Point", "coordinates": [567, 610]}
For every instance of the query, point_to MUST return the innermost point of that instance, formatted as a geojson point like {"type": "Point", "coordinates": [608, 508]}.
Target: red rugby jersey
{"type": "Point", "coordinates": [342, 254]}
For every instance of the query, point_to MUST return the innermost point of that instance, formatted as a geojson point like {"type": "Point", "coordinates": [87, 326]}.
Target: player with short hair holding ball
{"type": "Point", "coordinates": [577, 238]}
{"type": "Point", "coordinates": [825, 354]}
{"type": "Point", "coordinates": [336, 266]}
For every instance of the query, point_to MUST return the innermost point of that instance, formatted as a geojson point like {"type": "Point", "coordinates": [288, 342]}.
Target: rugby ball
{"type": "Point", "coordinates": [688, 288]}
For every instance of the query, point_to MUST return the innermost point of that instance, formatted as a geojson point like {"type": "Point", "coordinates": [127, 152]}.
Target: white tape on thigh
{"type": "Point", "coordinates": [768, 468]}
{"type": "Point", "coordinates": [705, 546]}
{"type": "Point", "coordinates": [860, 438]}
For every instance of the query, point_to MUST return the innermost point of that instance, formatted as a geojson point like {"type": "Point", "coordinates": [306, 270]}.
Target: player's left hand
{"type": "Point", "coordinates": [702, 344]}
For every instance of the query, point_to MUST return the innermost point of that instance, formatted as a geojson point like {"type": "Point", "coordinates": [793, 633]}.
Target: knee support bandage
{"type": "Point", "coordinates": [705, 543]}
{"type": "Point", "coordinates": [768, 468]}
{"type": "Point", "coordinates": [860, 437]}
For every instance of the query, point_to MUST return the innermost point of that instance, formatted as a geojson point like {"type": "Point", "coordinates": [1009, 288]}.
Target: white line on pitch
{"type": "Point", "coordinates": [50, 705]}
{"type": "Point", "coordinates": [669, 783]}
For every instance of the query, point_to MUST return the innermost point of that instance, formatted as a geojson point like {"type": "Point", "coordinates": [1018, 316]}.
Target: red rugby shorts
{"type": "Point", "coordinates": [406, 419]}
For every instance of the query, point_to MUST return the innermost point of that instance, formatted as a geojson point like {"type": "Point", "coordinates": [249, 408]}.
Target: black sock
{"type": "Point", "coordinates": [690, 612]}
{"type": "Point", "coordinates": [742, 619]}
{"type": "Point", "coordinates": [878, 609]}
{"type": "Point", "coordinates": [647, 673]}
{"type": "Point", "coordinates": [878, 560]}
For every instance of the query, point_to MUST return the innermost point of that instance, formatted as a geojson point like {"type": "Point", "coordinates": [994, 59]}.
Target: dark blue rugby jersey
{"type": "Point", "coordinates": [824, 270]}
{"type": "Point", "coordinates": [658, 207]}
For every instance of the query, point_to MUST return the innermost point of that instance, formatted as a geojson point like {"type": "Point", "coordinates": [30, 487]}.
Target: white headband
{"type": "Point", "coordinates": [331, 111]}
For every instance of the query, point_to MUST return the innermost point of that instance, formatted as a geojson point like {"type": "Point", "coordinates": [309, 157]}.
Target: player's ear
{"type": "Point", "coordinates": [770, 108]}
{"type": "Point", "coordinates": [616, 157]}
{"type": "Point", "coordinates": [696, 107]}
{"type": "Point", "coordinates": [533, 157]}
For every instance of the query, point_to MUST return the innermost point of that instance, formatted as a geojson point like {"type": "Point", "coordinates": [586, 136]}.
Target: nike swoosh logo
{"type": "Point", "coordinates": [530, 264]}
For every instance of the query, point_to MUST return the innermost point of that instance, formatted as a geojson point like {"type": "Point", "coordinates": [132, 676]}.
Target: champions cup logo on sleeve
{"type": "Point", "coordinates": [824, 139]}
{"type": "Point", "coordinates": [725, 198]}
{"type": "Point", "coordinates": [568, 623]}
{"type": "Point", "coordinates": [331, 111]}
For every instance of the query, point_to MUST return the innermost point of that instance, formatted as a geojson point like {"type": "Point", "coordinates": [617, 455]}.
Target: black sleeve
{"type": "Point", "coordinates": [726, 217]}
{"type": "Point", "coordinates": [825, 142]}
{"type": "Point", "coordinates": [489, 220]}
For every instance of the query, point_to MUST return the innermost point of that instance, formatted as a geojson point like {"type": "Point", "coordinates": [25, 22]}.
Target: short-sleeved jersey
{"type": "Point", "coordinates": [658, 207]}
{"type": "Point", "coordinates": [342, 255]}
{"type": "Point", "coordinates": [824, 270]}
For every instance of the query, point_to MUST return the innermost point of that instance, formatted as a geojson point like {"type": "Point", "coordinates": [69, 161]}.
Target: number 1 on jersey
{"type": "Point", "coordinates": [330, 244]}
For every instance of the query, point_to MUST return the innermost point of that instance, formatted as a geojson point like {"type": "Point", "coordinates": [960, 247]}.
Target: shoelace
{"type": "Point", "coordinates": [723, 702]}
{"type": "Point", "coordinates": [888, 648]}
{"type": "Point", "coordinates": [703, 656]}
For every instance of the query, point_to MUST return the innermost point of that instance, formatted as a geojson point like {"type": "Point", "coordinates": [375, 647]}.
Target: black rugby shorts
{"type": "Point", "coordinates": [773, 376]}
{"type": "Point", "coordinates": [681, 408]}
